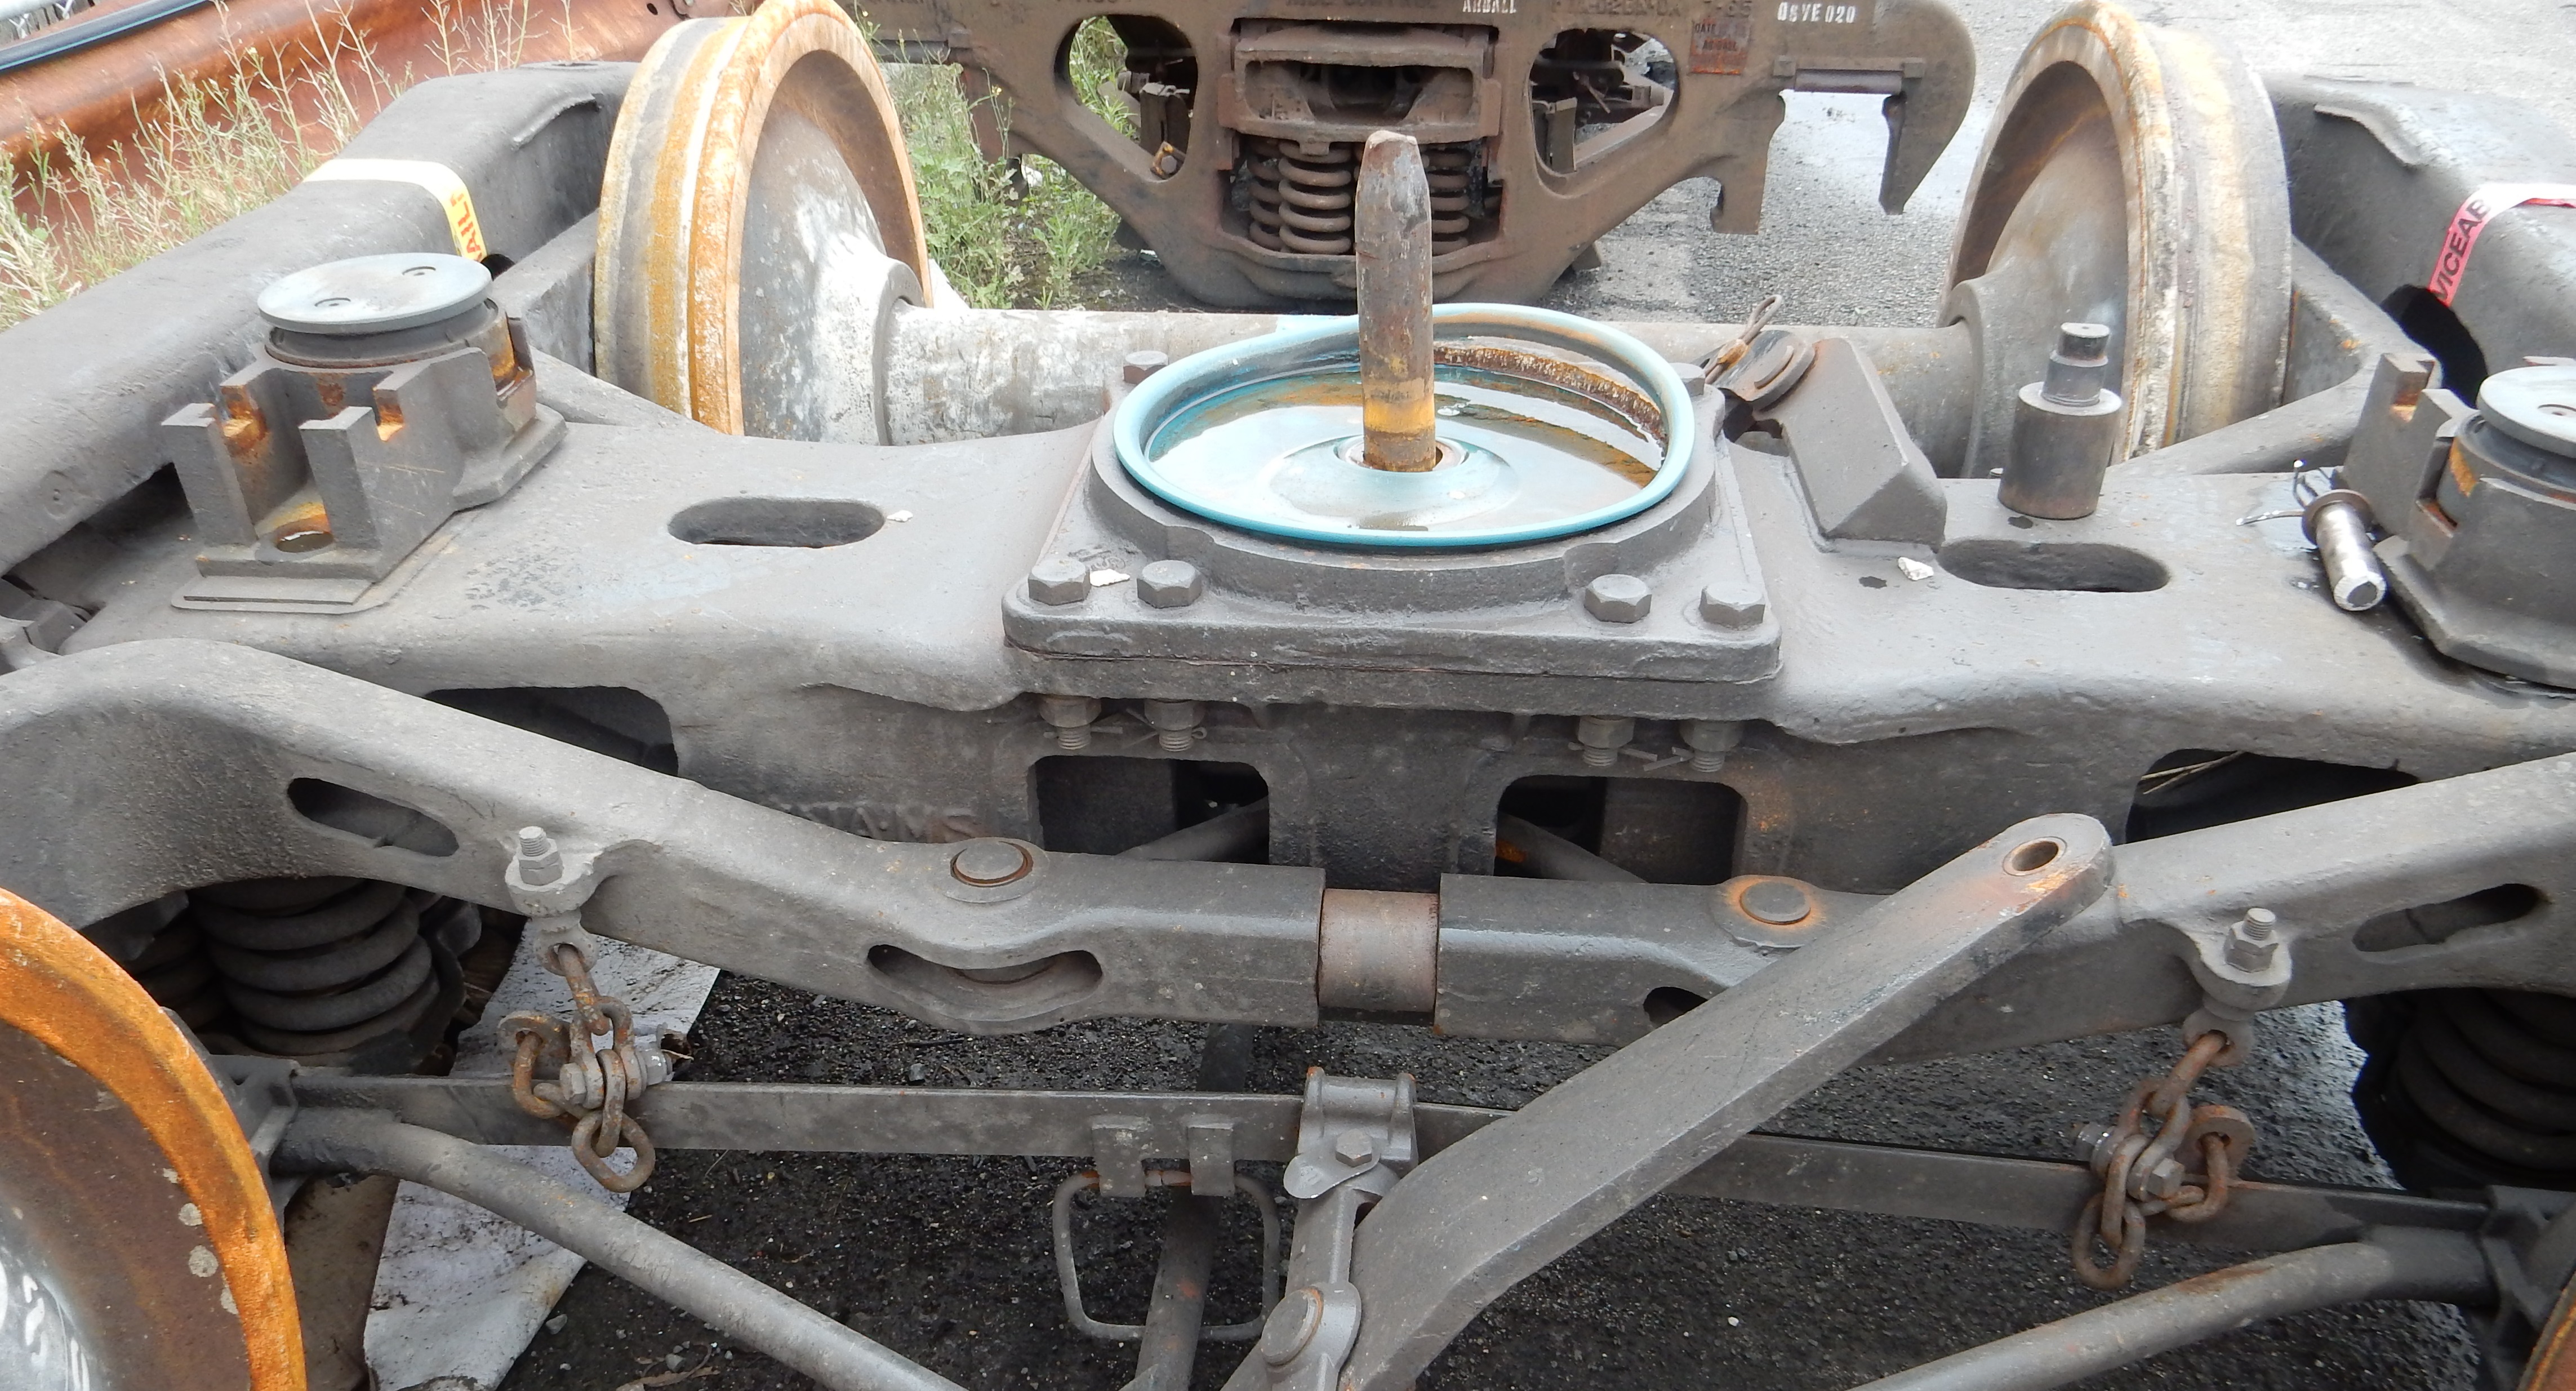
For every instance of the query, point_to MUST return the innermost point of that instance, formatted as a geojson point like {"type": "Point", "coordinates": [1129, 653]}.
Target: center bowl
{"type": "Point", "coordinates": [1332, 347]}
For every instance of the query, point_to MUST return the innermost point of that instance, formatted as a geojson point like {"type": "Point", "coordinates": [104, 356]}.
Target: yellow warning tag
{"type": "Point", "coordinates": [437, 180]}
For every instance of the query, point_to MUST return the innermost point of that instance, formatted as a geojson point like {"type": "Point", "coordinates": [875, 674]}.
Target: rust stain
{"type": "Point", "coordinates": [67, 994]}
{"type": "Point", "coordinates": [1628, 404]}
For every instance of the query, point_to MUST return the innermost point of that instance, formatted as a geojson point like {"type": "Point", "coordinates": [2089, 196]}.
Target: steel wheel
{"type": "Point", "coordinates": [137, 1242]}
{"type": "Point", "coordinates": [2133, 176]}
{"type": "Point", "coordinates": [757, 222]}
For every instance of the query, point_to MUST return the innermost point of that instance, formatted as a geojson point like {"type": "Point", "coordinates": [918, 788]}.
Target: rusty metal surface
{"type": "Point", "coordinates": [1242, 178]}
{"type": "Point", "coordinates": [2132, 177]}
{"type": "Point", "coordinates": [172, 1323]}
{"type": "Point", "coordinates": [1393, 240]}
{"type": "Point", "coordinates": [313, 52]}
{"type": "Point", "coordinates": [689, 219]}
{"type": "Point", "coordinates": [1378, 952]}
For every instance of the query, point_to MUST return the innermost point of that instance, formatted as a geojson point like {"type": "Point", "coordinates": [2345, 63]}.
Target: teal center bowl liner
{"type": "Point", "coordinates": [1333, 344]}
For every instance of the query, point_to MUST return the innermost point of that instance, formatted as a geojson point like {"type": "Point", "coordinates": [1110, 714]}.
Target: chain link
{"type": "Point", "coordinates": [2149, 1173]}
{"type": "Point", "coordinates": [594, 1084]}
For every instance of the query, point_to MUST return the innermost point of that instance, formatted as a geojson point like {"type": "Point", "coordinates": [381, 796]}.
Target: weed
{"type": "Point", "coordinates": [1010, 234]}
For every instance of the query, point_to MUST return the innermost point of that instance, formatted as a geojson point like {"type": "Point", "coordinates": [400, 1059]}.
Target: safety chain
{"type": "Point", "coordinates": [2148, 1174]}
{"type": "Point", "coordinates": [592, 1085]}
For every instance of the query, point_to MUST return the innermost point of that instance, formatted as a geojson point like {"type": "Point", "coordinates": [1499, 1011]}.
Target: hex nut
{"type": "Point", "coordinates": [2254, 941]}
{"type": "Point", "coordinates": [1618, 598]}
{"type": "Point", "coordinates": [1140, 365]}
{"type": "Point", "coordinates": [1058, 580]}
{"type": "Point", "coordinates": [1355, 1148]}
{"type": "Point", "coordinates": [1731, 606]}
{"type": "Point", "coordinates": [1170, 584]}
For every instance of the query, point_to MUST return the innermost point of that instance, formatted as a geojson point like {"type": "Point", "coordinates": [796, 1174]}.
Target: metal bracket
{"type": "Point", "coordinates": [1352, 1131]}
{"type": "Point", "coordinates": [1118, 1155]}
{"type": "Point", "coordinates": [548, 881]}
{"type": "Point", "coordinates": [1355, 1138]}
{"type": "Point", "coordinates": [1069, 1275]}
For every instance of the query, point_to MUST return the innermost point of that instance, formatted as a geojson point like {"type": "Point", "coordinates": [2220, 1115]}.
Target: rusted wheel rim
{"type": "Point", "coordinates": [135, 1210]}
{"type": "Point", "coordinates": [753, 160]}
{"type": "Point", "coordinates": [2133, 175]}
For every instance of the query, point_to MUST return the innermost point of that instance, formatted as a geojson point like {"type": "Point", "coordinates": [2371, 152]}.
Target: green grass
{"type": "Point", "coordinates": [217, 151]}
{"type": "Point", "coordinates": [1024, 238]}
{"type": "Point", "coordinates": [1008, 237]}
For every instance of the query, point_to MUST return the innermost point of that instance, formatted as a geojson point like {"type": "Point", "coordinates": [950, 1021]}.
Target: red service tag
{"type": "Point", "coordinates": [2471, 221]}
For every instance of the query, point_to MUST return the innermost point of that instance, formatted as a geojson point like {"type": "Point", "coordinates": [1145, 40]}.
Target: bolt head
{"type": "Point", "coordinates": [1618, 599]}
{"type": "Point", "coordinates": [2162, 1181]}
{"type": "Point", "coordinates": [1731, 605]}
{"type": "Point", "coordinates": [1170, 584]}
{"type": "Point", "coordinates": [1355, 1148]}
{"type": "Point", "coordinates": [1604, 731]}
{"type": "Point", "coordinates": [1059, 580]}
{"type": "Point", "coordinates": [1140, 365]}
{"type": "Point", "coordinates": [989, 862]}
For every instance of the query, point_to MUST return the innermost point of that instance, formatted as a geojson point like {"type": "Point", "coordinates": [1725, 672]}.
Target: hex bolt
{"type": "Point", "coordinates": [1355, 1148]}
{"type": "Point", "coordinates": [1728, 604]}
{"type": "Point", "coordinates": [1710, 741]}
{"type": "Point", "coordinates": [1170, 584]}
{"type": "Point", "coordinates": [1618, 598]}
{"type": "Point", "coordinates": [1140, 365]}
{"type": "Point", "coordinates": [1059, 580]}
{"type": "Point", "coordinates": [1176, 722]}
{"type": "Point", "coordinates": [2163, 1180]}
{"type": "Point", "coordinates": [1602, 737]}
{"type": "Point", "coordinates": [540, 863]}
{"type": "Point", "coordinates": [2254, 940]}
{"type": "Point", "coordinates": [1071, 717]}
{"type": "Point", "coordinates": [990, 862]}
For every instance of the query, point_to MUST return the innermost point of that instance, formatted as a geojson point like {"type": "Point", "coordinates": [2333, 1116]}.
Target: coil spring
{"type": "Point", "coordinates": [317, 968]}
{"type": "Point", "coordinates": [2493, 1074]}
{"type": "Point", "coordinates": [1448, 168]}
{"type": "Point", "coordinates": [1301, 199]}
{"type": "Point", "coordinates": [178, 974]}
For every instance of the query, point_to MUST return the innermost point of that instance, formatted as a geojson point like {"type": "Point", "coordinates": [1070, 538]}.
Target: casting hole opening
{"type": "Point", "coordinates": [2081, 566]}
{"type": "Point", "coordinates": [1004, 994]}
{"type": "Point", "coordinates": [2030, 857]}
{"type": "Point", "coordinates": [2428, 923]}
{"type": "Point", "coordinates": [1592, 90]}
{"type": "Point", "coordinates": [624, 724]}
{"type": "Point", "coordinates": [777, 521]}
{"type": "Point", "coordinates": [1663, 830]}
{"type": "Point", "coordinates": [1107, 805]}
{"type": "Point", "coordinates": [1666, 1003]}
{"type": "Point", "coordinates": [2190, 789]}
{"type": "Point", "coordinates": [2432, 323]}
{"type": "Point", "coordinates": [1139, 74]}
{"type": "Point", "coordinates": [370, 818]}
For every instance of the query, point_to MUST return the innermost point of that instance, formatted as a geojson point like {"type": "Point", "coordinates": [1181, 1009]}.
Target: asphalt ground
{"type": "Point", "coordinates": [947, 1260]}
